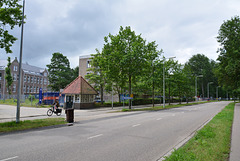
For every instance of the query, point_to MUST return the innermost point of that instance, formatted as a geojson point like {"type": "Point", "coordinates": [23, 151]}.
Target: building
{"type": "Point", "coordinates": [33, 78]}
{"type": "Point", "coordinates": [84, 65]}
{"type": "Point", "coordinates": [79, 94]}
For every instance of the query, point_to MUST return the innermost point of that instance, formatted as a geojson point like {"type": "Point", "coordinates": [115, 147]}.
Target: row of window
{"type": "Point", "coordinates": [30, 89]}
{"type": "Point", "coordinates": [35, 80]}
{"type": "Point", "coordinates": [84, 98]}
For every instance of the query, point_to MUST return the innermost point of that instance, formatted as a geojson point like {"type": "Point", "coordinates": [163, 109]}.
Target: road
{"type": "Point", "coordinates": [136, 136]}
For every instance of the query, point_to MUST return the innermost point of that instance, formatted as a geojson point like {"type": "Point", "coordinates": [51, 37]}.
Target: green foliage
{"type": "Point", "coordinates": [8, 76]}
{"type": "Point", "coordinates": [60, 73]}
{"type": "Point", "coordinates": [228, 69]}
{"type": "Point", "coordinates": [212, 142]}
{"type": "Point", "coordinates": [197, 65]}
{"type": "Point", "coordinates": [10, 15]}
{"type": "Point", "coordinates": [31, 98]}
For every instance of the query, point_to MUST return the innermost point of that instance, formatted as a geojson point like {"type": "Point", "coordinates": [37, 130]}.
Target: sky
{"type": "Point", "coordinates": [78, 27]}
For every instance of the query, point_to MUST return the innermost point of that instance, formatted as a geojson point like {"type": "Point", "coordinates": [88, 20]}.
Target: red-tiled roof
{"type": "Point", "coordinates": [79, 86]}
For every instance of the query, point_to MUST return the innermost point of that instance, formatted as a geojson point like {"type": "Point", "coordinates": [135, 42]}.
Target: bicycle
{"type": "Point", "coordinates": [57, 111]}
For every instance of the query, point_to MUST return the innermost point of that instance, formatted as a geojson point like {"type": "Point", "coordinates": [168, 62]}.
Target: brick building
{"type": "Point", "coordinates": [33, 78]}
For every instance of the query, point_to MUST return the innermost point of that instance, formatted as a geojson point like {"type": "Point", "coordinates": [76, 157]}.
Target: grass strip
{"type": "Point", "coordinates": [30, 124]}
{"type": "Point", "coordinates": [212, 142]}
{"type": "Point", "coordinates": [166, 107]}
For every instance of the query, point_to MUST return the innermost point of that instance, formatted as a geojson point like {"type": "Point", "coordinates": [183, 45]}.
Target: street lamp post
{"type": "Point", "coordinates": [164, 79]}
{"type": "Point", "coordinates": [20, 68]}
{"type": "Point", "coordinates": [196, 86]}
{"type": "Point", "coordinates": [208, 87]}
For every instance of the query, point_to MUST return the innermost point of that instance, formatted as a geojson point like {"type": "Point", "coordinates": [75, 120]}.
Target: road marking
{"type": "Point", "coordinates": [136, 125]}
{"type": "Point", "coordinates": [159, 118]}
{"type": "Point", "coordinates": [9, 158]}
{"type": "Point", "coordinates": [95, 136]}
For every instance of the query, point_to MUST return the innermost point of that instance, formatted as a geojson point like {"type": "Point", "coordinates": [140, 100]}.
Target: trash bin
{"type": "Point", "coordinates": [70, 115]}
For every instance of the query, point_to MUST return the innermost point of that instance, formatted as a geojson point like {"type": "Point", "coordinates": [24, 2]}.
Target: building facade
{"type": "Point", "coordinates": [84, 65]}
{"type": "Point", "coordinates": [33, 78]}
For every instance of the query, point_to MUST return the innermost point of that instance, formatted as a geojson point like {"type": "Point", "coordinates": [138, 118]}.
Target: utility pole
{"type": "Point", "coordinates": [20, 69]}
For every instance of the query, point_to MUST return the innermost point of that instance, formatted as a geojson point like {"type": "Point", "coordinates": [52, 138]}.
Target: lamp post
{"type": "Point", "coordinates": [20, 72]}
{"type": "Point", "coordinates": [164, 79]}
{"type": "Point", "coordinates": [196, 86]}
{"type": "Point", "coordinates": [208, 87]}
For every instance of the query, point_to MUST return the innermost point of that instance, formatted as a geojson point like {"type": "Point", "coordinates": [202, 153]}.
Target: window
{"type": "Point", "coordinates": [25, 78]}
{"type": "Point", "coordinates": [37, 90]}
{"type": "Point", "coordinates": [45, 74]}
{"type": "Point", "coordinates": [28, 79]}
{"type": "Point", "coordinates": [35, 80]}
{"type": "Point", "coordinates": [14, 77]}
{"type": "Point", "coordinates": [27, 89]}
{"type": "Point", "coordinates": [88, 64]}
{"type": "Point", "coordinates": [34, 91]}
{"type": "Point", "coordinates": [31, 89]}
{"type": "Point", "coordinates": [45, 81]}
{"type": "Point", "coordinates": [31, 79]}
{"type": "Point", "coordinates": [15, 68]}
{"type": "Point", "coordinates": [24, 89]}
{"type": "Point", "coordinates": [0, 76]}
{"type": "Point", "coordinates": [40, 80]}
{"type": "Point", "coordinates": [0, 87]}
{"type": "Point", "coordinates": [77, 98]}
{"type": "Point", "coordinates": [14, 88]}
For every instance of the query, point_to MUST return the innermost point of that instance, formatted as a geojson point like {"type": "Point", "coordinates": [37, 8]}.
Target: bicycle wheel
{"type": "Point", "coordinates": [49, 112]}
{"type": "Point", "coordinates": [59, 113]}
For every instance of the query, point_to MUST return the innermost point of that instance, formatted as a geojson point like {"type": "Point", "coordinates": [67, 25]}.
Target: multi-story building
{"type": "Point", "coordinates": [33, 78]}
{"type": "Point", "coordinates": [84, 65]}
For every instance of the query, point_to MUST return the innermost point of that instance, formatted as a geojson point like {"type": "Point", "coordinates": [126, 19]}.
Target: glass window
{"type": "Point", "coordinates": [77, 98]}
{"type": "Point", "coordinates": [0, 76]}
{"type": "Point", "coordinates": [25, 78]}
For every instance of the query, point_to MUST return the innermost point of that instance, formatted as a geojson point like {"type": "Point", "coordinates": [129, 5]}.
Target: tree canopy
{"type": "Point", "coordinates": [10, 16]}
{"type": "Point", "coordinates": [60, 73]}
{"type": "Point", "coordinates": [228, 70]}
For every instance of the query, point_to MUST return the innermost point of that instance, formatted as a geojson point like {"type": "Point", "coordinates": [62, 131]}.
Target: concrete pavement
{"type": "Point", "coordinates": [235, 144]}
{"type": "Point", "coordinates": [8, 113]}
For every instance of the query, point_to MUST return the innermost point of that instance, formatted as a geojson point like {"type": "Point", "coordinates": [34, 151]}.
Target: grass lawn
{"type": "Point", "coordinates": [212, 142]}
{"type": "Point", "coordinates": [30, 124]}
{"type": "Point", "coordinates": [27, 103]}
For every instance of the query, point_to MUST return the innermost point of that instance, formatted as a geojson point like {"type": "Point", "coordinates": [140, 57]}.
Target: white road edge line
{"type": "Point", "coordinates": [95, 136]}
{"type": "Point", "coordinates": [159, 119]}
{"type": "Point", "coordinates": [136, 125]}
{"type": "Point", "coordinates": [9, 158]}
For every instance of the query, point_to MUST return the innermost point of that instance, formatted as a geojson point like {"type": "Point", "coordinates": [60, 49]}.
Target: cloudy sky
{"type": "Point", "coordinates": [181, 28]}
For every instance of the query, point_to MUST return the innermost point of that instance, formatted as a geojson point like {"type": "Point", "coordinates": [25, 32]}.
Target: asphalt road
{"type": "Point", "coordinates": [138, 136]}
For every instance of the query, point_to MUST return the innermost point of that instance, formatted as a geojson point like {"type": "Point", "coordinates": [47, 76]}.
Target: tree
{"type": "Point", "coordinates": [124, 57]}
{"type": "Point", "coordinates": [75, 72]}
{"type": "Point", "coordinates": [60, 73]}
{"type": "Point", "coordinates": [10, 16]}
{"type": "Point", "coordinates": [199, 64]}
{"type": "Point", "coordinates": [228, 68]}
{"type": "Point", "coordinates": [96, 75]}
{"type": "Point", "coordinates": [8, 77]}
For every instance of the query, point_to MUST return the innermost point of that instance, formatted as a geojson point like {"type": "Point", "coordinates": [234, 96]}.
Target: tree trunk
{"type": "Point", "coordinates": [101, 93]}
{"type": "Point", "coordinates": [153, 94]}
{"type": "Point", "coordinates": [130, 90]}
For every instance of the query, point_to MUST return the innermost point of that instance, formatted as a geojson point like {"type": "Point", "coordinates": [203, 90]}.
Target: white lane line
{"type": "Point", "coordinates": [95, 136]}
{"type": "Point", "coordinates": [136, 125]}
{"type": "Point", "coordinates": [159, 119]}
{"type": "Point", "coordinates": [9, 158]}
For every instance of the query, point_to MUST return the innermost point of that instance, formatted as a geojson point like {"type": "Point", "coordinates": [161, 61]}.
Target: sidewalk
{"type": "Point", "coordinates": [235, 143]}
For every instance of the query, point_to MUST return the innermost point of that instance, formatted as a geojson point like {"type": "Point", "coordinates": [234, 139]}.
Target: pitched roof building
{"type": "Point", "coordinates": [79, 94]}
{"type": "Point", "coordinates": [33, 78]}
